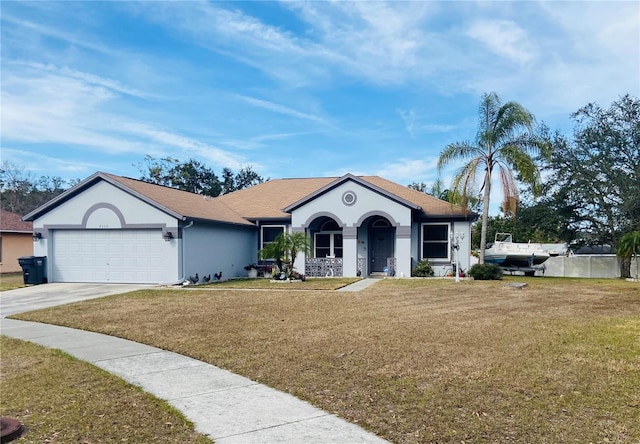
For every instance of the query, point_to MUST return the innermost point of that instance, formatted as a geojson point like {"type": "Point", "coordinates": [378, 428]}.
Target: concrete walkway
{"type": "Point", "coordinates": [223, 405]}
{"type": "Point", "coordinates": [359, 285]}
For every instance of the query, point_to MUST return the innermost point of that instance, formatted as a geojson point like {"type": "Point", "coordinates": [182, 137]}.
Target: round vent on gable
{"type": "Point", "coordinates": [349, 198]}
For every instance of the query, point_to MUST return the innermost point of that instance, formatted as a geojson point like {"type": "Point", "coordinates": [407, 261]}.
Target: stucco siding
{"type": "Point", "coordinates": [14, 245]}
{"type": "Point", "coordinates": [353, 214]}
{"type": "Point", "coordinates": [102, 206]}
{"type": "Point", "coordinates": [367, 202]}
{"type": "Point", "coordinates": [441, 266]}
{"type": "Point", "coordinates": [214, 248]}
{"type": "Point", "coordinates": [105, 207]}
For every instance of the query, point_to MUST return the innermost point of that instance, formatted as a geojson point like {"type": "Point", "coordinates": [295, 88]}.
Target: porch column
{"type": "Point", "coordinates": [403, 251]}
{"type": "Point", "coordinates": [350, 251]}
{"type": "Point", "coordinates": [301, 257]}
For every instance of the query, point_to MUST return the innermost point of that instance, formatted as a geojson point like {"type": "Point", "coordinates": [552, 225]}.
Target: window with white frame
{"type": "Point", "coordinates": [328, 241]}
{"type": "Point", "coordinates": [435, 241]}
{"type": "Point", "coordinates": [269, 233]}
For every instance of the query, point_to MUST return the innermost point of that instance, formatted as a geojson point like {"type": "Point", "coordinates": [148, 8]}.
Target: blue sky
{"type": "Point", "coordinates": [294, 89]}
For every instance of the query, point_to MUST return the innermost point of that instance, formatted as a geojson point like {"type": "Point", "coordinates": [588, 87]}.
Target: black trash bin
{"type": "Point", "coordinates": [33, 269]}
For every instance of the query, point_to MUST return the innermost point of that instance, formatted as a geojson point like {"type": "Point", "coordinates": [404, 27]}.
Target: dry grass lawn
{"type": "Point", "coordinates": [10, 281]}
{"type": "Point", "coordinates": [415, 360]}
{"type": "Point", "coordinates": [63, 400]}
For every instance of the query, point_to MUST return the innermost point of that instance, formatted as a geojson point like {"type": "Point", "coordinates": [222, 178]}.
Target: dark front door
{"type": "Point", "coordinates": [381, 248]}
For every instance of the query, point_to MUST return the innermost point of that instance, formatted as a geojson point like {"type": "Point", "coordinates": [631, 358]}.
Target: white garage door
{"type": "Point", "coordinates": [118, 256]}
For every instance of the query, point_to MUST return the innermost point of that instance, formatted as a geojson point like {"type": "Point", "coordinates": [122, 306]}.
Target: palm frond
{"type": "Point", "coordinates": [455, 151]}
{"type": "Point", "coordinates": [513, 119]}
{"type": "Point", "coordinates": [465, 181]}
{"type": "Point", "coordinates": [509, 190]}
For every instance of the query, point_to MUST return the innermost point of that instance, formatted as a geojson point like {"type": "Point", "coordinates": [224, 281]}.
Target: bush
{"type": "Point", "coordinates": [486, 272]}
{"type": "Point", "coordinates": [423, 269]}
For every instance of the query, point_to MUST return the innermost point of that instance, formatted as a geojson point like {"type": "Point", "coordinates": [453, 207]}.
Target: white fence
{"type": "Point", "coordinates": [585, 265]}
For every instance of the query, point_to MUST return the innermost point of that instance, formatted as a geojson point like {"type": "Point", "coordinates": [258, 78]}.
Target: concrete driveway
{"type": "Point", "coordinates": [48, 295]}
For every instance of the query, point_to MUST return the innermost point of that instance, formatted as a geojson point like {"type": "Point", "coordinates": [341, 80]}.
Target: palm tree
{"type": "Point", "coordinates": [629, 246]}
{"type": "Point", "coordinates": [285, 248]}
{"type": "Point", "coordinates": [298, 242]}
{"type": "Point", "coordinates": [505, 141]}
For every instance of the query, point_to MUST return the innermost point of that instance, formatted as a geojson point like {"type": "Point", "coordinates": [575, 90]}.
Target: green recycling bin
{"type": "Point", "coordinates": [33, 269]}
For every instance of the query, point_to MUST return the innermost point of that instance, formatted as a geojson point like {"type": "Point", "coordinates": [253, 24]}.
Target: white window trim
{"type": "Point", "coordinates": [331, 243]}
{"type": "Point", "coordinates": [448, 241]}
{"type": "Point", "coordinates": [262, 227]}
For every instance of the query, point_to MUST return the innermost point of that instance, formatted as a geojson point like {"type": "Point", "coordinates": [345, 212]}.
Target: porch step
{"type": "Point", "coordinates": [378, 275]}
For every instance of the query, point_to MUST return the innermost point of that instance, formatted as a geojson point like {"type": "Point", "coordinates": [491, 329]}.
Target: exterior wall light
{"type": "Point", "coordinates": [36, 236]}
{"type": "Point", "coordinates": [167, 235]}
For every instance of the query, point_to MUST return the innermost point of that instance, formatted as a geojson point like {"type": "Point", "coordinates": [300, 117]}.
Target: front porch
{"type": "Point", "coordinates": [333, 267]}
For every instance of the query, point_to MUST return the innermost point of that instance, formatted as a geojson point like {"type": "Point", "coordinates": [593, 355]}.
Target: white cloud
{"type": "Point", "coordinates": [190, 146]}
{"type": "Point", "coordinates": [280, 109]}
{"type": "Point", "coordinates": [56, 33]}
{"type": "Point", "coordinates": [505, 38]}
{"type": "Point", "coordinates": [50, 107]}
{"type": "Point", "coordinates": [42, 165]}
{"type": "Point", "coordinates": [84, 77]}
{"type": "Point", "coordinates": [406, 171]}
{"type": "Point", "coordinates": [415, 124]}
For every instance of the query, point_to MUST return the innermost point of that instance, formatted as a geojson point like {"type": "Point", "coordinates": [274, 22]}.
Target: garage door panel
{"type": "Point", "coordinates": [119, 256]}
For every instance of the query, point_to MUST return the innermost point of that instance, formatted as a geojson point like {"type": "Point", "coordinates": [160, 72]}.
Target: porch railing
{"type": "Point", "coordinates": [362, 267]}
{"type": "Point", "coordinates": [323, 266]}
{"type": "Point", "coordinates": [391, 266]}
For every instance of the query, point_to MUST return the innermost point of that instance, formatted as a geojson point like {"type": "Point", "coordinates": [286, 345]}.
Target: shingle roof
{"type": "Point", "coordinates": [269, 199]}
{"type": "Point", "coordinates": [183, 203]}
{"type": "Point", "coordinates": [431, 206]}
{"type": "Point", "coordinates": [13, 222]}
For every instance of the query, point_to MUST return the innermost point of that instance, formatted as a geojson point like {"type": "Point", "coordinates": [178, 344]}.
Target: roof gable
{"type": "Point", "coordinates": [275, 198]}
{"type": "Point", "coordinates": [350, 178]}
{"type": "Point", "coordinates": [179, 204]}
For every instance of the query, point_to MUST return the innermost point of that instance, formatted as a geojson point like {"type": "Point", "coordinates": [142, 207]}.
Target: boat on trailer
{"type": "Point", "coordinates": [515, 256]}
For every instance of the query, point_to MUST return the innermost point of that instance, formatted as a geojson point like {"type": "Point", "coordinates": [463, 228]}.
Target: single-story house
{"type": "Point", "coordinates": [109, 228]}
{"type": "Point", "coordinates": [15, 241]}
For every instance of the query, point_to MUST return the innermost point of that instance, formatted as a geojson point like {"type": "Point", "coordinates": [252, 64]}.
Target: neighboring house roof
{"type": "Point", "coordinates": [13, 223]}
{"type": "Point", "coordinates": [273, 199]}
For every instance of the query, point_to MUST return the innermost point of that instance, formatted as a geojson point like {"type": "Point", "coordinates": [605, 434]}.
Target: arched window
{"type": "Point", "coordinates": [328, 241]}
{"type": "Point", "coordinates": [381, 223]}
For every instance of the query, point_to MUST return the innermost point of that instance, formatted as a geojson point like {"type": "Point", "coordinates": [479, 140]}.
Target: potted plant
{"type": "Point", "coordinates": [252, 270]}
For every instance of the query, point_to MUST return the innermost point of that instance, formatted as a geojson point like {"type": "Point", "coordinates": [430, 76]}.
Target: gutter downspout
{"type": "Point", "coordinates": [182, 255]}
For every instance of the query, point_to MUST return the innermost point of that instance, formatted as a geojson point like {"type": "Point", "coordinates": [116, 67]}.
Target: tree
{"type": "Point", "coordinates": [21, 192]}
{"type": "Point", "coordinates": [596, 173]}
{"type": "Point", "coordinates": [629, 246]}
{"type": "Point", "coordinates": [285, 248]}
{"type": "Point", "coordinates": [246, 178]}
{"type": "Point", "coordinates": [505, 141]}
{"type": "Point", "coordinates": [438, 190]}
{"type": "Point", "coordinates": [194, 176]}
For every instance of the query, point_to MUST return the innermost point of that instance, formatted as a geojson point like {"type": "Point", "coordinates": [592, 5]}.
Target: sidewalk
{"type": "Point", "coordinates": [227, 407]}
{"type": "Point", "coordinates": [359, 285]}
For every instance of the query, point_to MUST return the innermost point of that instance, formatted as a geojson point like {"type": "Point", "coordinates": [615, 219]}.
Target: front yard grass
{"type": "Point", "coordinates": [10, 281]}
{"type": "Point", "coordinates": [415, 360]}
{"type": "Point", "coordinates": [268, 284]}
{"type": "Point", "coordinates": [63, 400]}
